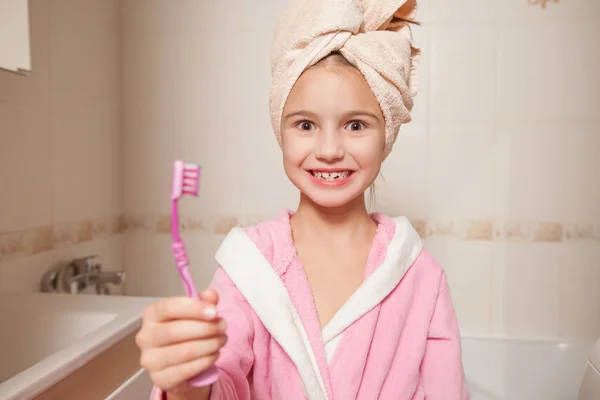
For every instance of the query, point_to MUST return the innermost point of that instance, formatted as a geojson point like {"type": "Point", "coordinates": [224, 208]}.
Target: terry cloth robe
{"type": "Point", "coordinates": [396, 338]}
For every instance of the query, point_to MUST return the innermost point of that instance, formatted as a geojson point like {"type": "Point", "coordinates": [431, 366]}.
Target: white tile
{"type": "Point", "coordinates": [266, 181]}
{"type": "Point", "coordinates": [111, 256]}
{"type": "Point", "coordinates": [151, 77]}
{"type": "Point", "coordinates": [225, 109]}
{"type": "Point", "coordinates": [581, 164]}
{"type": "Point", "coordinates": [86, 164]}
{"type": "Point", "coordinates": [402, 187]}
{"type": "Point", "coordinates": [547, 72]}
{"type": "Point", "coordinates": [25, 153]}
{"type": "Point", "coordinates": [250, 85]}
{"type": "Point", "coordinates": [195, 16]}
{"type": "Point", "coordinates": [250, 139]}
{"type": "Point", "coordinates": [580, 292]}
{"type": "Point", "coordinates": [564, 12]}
{"type": "Point", "coordinates": [230, 166]}
{"type": "Point", "coordinates": [104, 13]}
{"type": "Point", "coordinates": [33, 89]}
{"type": "Point", "coordinates": [152, 119]}
{"type": "Point", "coordinates": [468, 268]}
{"type": "Point", "coordinates": [24, 274]}
{"type": "Point", "coordinates": [263, 15]}
{"type": "Point", "coordinates": [64, 255]}
{"type": "Point", "coordinates": [110, 252]}
{"type": "Point", "coordinates": [526, 289]}
{"type": "Point", "coordinates": [137, 180]}
{"type": "Point", "coordinates": [241, 16]}
{"type": "Point", "coordinates": [135, 261]}
{"type": "Point", "coordinates": [71, 52]}
{"type": "Point", "coordinates": [158, 168]}
{"type": "Point", "coordinates": [213, 69]}
{"type": "Point", "coordinates": [202, 247]}
{"type": "Point", "coordinates": [463, 73]}
{"type": "Point", "coordinates": [154, 15]}
{"type": "Point", "coordinates": [537, 171]}
{"type": "Point", "coordinates": [105, 69]}
{"type": "Point", "coordinates": [107, 249]}
{"type": "Point", "coordinates": [165, 279]}
{"type": "Point", "coordinates": [466, 172]}
{"type": "Point", "coordinates": [464, 11]}
{"type": "Point", "coordinates": [149, 266]}
{"type": "Point", "coordinates": [426, 11]}
{"type": "Point", "coordinates": [85, 54]}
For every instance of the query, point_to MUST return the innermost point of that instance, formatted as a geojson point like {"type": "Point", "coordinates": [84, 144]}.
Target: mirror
{"type": "Point", "coordinates": [15, 54]}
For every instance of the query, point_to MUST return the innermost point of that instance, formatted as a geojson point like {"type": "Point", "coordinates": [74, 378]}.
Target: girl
{"type": "Point", "coordinates": [327, 302]}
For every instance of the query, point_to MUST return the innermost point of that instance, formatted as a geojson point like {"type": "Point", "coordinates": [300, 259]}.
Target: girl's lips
{"type": "Point", "coordinates": [324, 177]}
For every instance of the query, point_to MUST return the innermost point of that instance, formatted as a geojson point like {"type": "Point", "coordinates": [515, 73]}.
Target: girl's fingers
{"type": "Point", "coordinates": [160, 358]}
{"type": "Point", "coordinates": [173, 308]}
{"type": "Point", "coordinates": [171, 378]}
{"type": "Point", "coordinates": [210, 296]}
{"type": "Point", "coordinates": [173, 332]}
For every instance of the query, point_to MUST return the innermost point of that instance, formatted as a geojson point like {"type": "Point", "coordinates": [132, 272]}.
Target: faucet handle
{"type": "Point", "coordinates": [85, 264]}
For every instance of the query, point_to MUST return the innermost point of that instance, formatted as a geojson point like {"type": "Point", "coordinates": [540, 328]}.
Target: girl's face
{"type": "Point", "coordinates": [333, 134]}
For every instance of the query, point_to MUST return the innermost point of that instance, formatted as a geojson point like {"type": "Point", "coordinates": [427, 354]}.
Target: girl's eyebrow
{"type": "Point", "coordinates": [300, 113]}
{"type": "Point", "coordinates": [361, 113]}
{"type": "Point", "coordinates": [309, 114]}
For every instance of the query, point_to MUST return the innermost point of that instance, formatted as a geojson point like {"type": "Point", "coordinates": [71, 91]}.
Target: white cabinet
{"type": "Point", "coordinates": [137, 387]}
{"type": "Point", "coordinates": [14, 35]}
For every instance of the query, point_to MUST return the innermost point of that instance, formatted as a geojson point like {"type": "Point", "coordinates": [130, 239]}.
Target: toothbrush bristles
{"type": "Point", "coordinates": [191, 178]}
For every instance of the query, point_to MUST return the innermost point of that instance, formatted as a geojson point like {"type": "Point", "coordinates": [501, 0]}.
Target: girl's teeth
{"type": "Point", "coordinates": [331, 175]}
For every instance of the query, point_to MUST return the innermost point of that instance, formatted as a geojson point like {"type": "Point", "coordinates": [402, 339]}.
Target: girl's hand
{"type": "Point", "coordinates": [180, 337]}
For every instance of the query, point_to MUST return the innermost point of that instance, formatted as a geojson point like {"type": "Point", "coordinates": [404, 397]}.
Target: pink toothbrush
{"type": "Point", "coordinates": [186, 180]}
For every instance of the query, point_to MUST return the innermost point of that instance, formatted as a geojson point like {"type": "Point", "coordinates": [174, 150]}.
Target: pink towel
{"type": "Point", "coordinates": [373, 35]}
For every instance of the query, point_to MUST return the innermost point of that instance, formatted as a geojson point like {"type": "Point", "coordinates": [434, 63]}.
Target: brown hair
{"type": "Point", "coordinates": [335, 59]}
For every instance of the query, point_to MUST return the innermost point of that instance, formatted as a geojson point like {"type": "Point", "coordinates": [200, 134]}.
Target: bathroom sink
{"type": "Point", "coordinates": [46, 336]}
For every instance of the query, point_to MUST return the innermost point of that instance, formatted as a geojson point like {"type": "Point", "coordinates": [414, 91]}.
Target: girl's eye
{"type": "Point", "coordinates": [356, 126]}
{"type": "Point", "coordinates": [305, 125]}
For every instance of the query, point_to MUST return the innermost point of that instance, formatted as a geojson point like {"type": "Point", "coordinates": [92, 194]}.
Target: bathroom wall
{"type": "Point", "coordinates": [498, 170]}
{"type": "Point", "coordinates": [60, 144]}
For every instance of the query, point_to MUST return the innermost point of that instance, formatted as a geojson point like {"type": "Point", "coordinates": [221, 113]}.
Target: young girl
{"type": "Point", "coordinates": [327, 302]}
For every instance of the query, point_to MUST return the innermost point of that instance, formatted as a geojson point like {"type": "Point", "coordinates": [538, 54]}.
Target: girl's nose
{"type": "Point", "coordinates": [330, 145]}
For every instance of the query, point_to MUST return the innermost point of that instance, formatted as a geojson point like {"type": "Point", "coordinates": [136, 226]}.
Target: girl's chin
{"type": "Point", "coordinates": [331, 199]}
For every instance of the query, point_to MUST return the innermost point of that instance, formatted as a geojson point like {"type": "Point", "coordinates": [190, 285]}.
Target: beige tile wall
{"type": "Point", "coordinates": [499, 169]}
{"type": "Point", "coordinates": [60, 144]}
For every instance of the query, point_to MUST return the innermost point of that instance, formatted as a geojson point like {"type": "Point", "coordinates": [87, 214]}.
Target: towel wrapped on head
{"type": "Point", "coordinates": [373, 35]}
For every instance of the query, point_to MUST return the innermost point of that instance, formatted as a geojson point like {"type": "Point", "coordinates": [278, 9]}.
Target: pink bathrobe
{"type": "Point", "coordinates": [396, 338]}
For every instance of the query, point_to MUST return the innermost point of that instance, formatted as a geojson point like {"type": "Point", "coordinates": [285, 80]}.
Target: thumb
{"type": "Point", "coordinates": [210, 296]}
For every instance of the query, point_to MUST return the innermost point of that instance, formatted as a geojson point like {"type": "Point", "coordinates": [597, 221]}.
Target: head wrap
{"type": "Point", "coordinates": [373, 35]}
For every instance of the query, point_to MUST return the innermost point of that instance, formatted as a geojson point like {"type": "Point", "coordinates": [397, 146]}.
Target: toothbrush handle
{"type": "Point", "coordinates": [211, 375]}
{"type": "Point", "coordinates": [181, 259]}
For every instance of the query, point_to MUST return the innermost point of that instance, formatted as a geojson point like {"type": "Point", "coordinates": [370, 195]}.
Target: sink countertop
{"type": "Point", "coordinates": [45, 336]}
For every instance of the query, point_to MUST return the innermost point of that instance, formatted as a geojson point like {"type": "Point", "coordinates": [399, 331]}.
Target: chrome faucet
{"type": "Point", "coordinates": [86, 273]}
{"type": "Point", "coordinates": [79, 274]}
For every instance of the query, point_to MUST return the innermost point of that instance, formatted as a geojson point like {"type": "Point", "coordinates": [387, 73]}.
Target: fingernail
{"type": "Point", "coordinates": [210, 312]}
{"type": "Point", "coordinates": [222, 326]}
